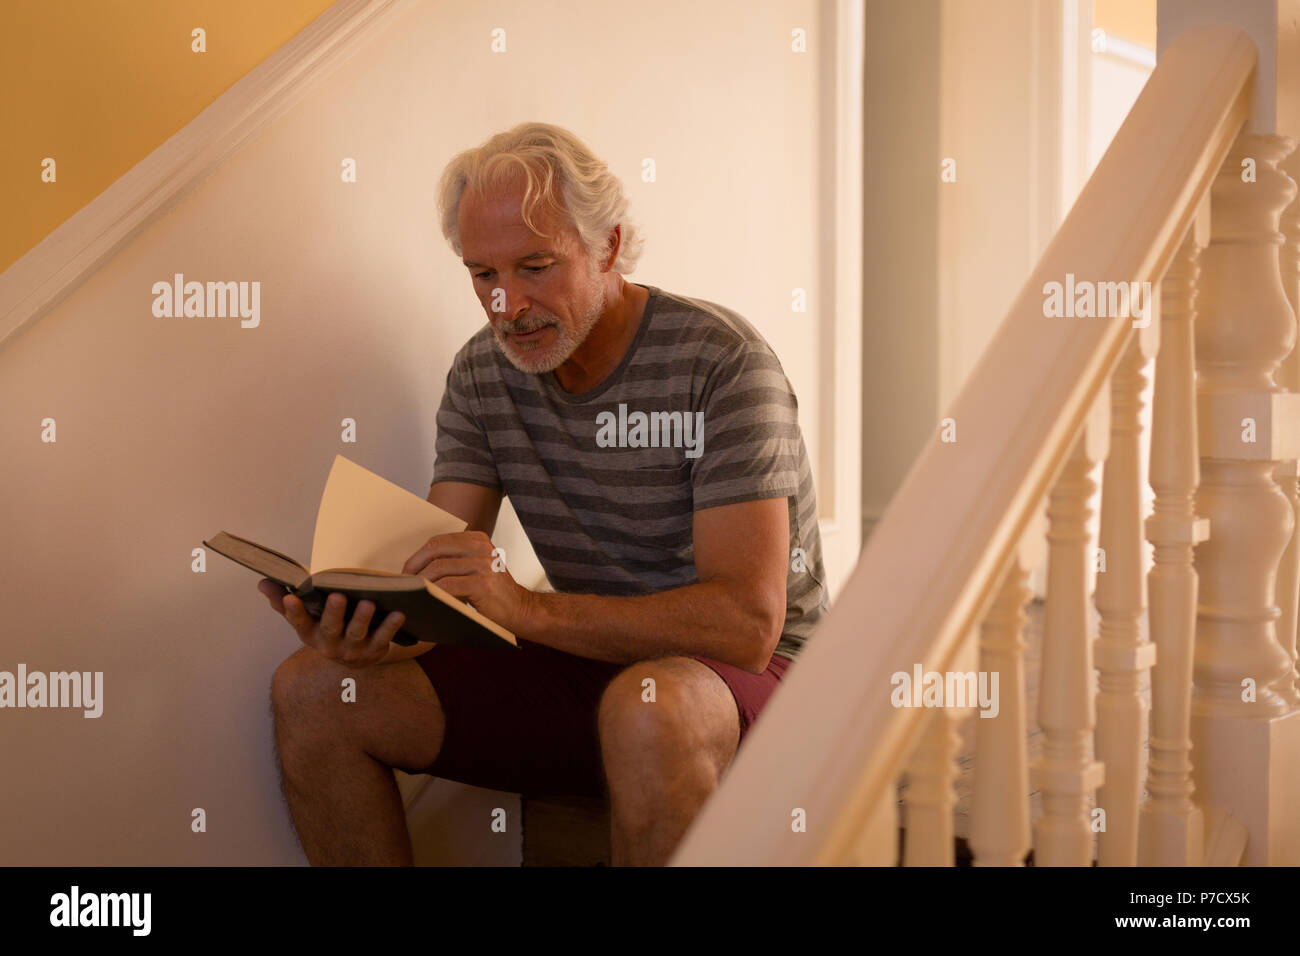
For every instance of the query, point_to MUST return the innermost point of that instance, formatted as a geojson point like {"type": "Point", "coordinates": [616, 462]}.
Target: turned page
{"type": "Point", "coordinates": [367, 522]}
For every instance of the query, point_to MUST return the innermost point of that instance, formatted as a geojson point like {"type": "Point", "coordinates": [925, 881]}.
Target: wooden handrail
{"type": "Point", "coordinates": [829, 742]}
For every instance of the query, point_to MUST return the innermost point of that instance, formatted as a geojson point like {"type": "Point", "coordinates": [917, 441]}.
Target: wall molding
{"type": "Point", "coordinates": [52, 269]}
{"type": "Point", "coordinates": [1136, 54]}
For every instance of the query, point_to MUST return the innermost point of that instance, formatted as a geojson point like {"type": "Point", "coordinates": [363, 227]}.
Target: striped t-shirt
{"type": "Point", "coordinates": [699, 413]}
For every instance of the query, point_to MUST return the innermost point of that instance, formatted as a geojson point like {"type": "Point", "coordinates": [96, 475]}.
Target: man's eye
{"type": "Point", "coordinates": [532, 269]}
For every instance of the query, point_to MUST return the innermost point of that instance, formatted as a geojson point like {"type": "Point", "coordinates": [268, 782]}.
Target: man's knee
{"type": "Point", "coordinates": [668, 711]}
{"type": "Point", "coordinates": [388, 710]}
{"type": "Point", "coordinates": [644, 700]}
{"type": "Point", "coordinates": [312, 692]}
{"type": "Point", "coordinates": [299, 682]}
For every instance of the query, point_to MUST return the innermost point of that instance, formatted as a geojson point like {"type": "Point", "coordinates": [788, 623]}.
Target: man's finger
{"type": "Point", "coordinates": [274, 592]}
{"type": "Point", "coordinates": [446, 567]}
{"type": "Point", "coordinates": [296, 614]}
{"type": "Point", "coordinates": [391, 625]}
{"type": "Point", "coordinates": [294, 611]}
{"type": "Point", "coordinates": [330, 628]}
{"type": "Point", "coordinates": [376, 645]}
{"type": "Point", "coordinates": [453, 544]}
{"type": "Point", "coordinates": [462, 587]}
{"type": "Point", "coordinates": [359, 626]}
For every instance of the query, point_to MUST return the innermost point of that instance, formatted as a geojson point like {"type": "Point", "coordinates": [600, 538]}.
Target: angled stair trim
{"type": "Point", "coordinates": [60, 262]}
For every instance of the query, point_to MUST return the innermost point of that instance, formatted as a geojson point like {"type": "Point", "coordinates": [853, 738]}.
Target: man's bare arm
{"type": "Point", "coordinates": [478, 507]}
{"type": "Point", "coordinates": [735, 613]}
{"type": "Point", "coordinates": [475, 505]}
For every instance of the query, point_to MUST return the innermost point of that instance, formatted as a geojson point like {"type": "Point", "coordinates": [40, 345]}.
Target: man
{"type": "Point", "coordinates": [650, 446]}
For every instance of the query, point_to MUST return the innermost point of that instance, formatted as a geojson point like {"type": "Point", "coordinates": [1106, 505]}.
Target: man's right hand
{"type": "Point", "coordinates": [350, 645]}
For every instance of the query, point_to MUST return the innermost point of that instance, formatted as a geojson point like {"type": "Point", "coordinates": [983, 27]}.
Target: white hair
{"type": "Point", "coordinates": [551, 160]}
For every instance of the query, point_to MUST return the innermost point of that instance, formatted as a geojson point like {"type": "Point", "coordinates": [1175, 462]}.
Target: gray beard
{"type": "Point", "coordinates": [567, 341]}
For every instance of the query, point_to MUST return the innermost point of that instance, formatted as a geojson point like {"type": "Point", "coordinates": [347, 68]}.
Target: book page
{"type": "Point", "coordinates": [365, 521]}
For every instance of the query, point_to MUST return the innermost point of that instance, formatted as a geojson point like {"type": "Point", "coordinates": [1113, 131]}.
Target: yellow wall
{"type": "Point", "coordinates": [1133, 20]}
{"type": "Point", "coordinates": [98, 86]}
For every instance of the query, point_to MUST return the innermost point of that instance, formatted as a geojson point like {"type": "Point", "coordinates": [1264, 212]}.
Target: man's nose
{"type": "Point", "coordinates": [507, 296]}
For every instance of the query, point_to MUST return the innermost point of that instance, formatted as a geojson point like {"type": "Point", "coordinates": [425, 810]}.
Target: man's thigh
{"type": "Point", "coordinates": [521, 721]}
{"type": "Point", "coordinates": [750, 692]}
{"type": "Point", "coordinates": [527, 721]}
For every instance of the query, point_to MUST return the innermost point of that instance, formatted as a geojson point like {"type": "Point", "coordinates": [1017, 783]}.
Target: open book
{"type": "Point", "coordinates": [366, 528]}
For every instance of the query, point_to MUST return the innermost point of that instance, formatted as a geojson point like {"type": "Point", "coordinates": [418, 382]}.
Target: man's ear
{"type": "Point", "coordinates": [612, 247]}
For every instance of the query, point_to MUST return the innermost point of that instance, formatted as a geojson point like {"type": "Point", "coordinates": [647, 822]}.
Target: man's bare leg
{"type": "Point", "coordinates": [335, 755]}
{"type": "Point", "coordinates": [663, 759]}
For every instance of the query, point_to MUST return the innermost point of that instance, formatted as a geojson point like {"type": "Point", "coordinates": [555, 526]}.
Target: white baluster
{"type": "Point", "coordinates": [1066, 773]}
{"type": "Point", "coordinates": [999, 827]}
{"type": "Point", "coordinates": [1245, 730]}
{"type": "Point", "coordinates": [927, 807]}
{"type": "Point", "coordinates": [877, 842]}
{"type": "Point", "coordinates": [1245, 329]}
{"type": "Point", "coordinates": [1122, 654]}
{"type": "Point", "coordinates": [1171, 827]}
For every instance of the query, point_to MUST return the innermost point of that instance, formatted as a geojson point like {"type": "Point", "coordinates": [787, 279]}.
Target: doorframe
{"type": "Point", "coordinates": [839, 415]}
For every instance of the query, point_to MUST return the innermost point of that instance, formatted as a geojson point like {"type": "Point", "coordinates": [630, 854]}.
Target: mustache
{"type": "Point", "coordinates": [523, 326]}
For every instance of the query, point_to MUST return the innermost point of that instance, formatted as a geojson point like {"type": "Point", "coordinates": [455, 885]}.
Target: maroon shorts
{"type": "Point", "coordinates": [525, 721]}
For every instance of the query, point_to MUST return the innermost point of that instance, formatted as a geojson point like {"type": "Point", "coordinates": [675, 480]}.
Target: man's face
{"type": "Point", "coordinates": [542, 296]}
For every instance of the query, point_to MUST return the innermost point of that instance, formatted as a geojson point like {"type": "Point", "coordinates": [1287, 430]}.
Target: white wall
{"type": "Point", "coordinates": [975, 83]}
{"type": "Point", "coordinates": [900, 330]}
{"type": "Point", "coordinates": [1008, 90]}
{"type": "Point", "coordinates": [992, 124]}
{"type": "Point", "coordinates": [1116, 83]}
{"type": "Point", "coordinates": [170, 430]}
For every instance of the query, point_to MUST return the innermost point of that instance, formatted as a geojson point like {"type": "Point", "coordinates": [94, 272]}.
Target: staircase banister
{"type": "Point", "coordinates": [829, 742]}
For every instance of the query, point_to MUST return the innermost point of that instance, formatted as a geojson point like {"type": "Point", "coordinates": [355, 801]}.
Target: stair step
{"type": "Point", "coordinates": [565, 831]}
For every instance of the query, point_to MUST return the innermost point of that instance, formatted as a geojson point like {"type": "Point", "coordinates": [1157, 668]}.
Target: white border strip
{"type": "Point", "coordinates": [60, 262]}
{"type": "Point", "coordinates": [1106, 44]}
